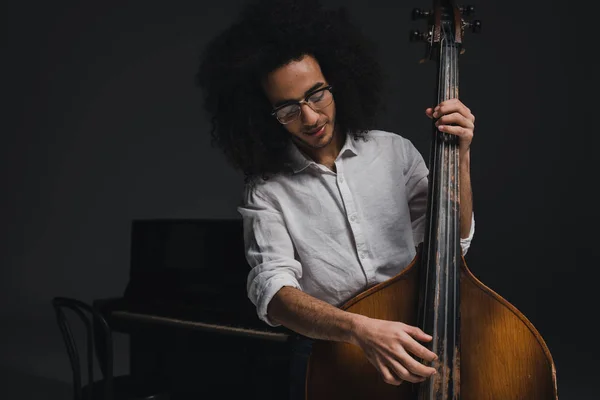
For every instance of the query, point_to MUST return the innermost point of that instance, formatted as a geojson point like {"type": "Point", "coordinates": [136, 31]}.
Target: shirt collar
{"type": "Point", "coordinates": [299, 162]}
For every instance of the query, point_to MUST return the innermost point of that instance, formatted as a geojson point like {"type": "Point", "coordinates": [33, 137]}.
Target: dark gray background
{"type": "Point", "coordinates": [104, 125]}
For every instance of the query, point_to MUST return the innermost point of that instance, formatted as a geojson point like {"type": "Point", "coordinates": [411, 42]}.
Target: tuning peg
{"type": "Point", "coordinates": [474, 25]}
{"type": "Point", "coordinates": [467, 10]}
{"type": "Point", "coordinates": [417, 36]}
{"type": "Point", "coordinates": [417, 13]}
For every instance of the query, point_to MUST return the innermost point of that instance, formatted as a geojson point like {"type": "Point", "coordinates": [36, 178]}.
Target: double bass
{"type": "Point", "coordinates": [487, 349]}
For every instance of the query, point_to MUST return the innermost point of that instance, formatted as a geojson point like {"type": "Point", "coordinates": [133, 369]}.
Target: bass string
{"type": "Point", "coordinates": [453, 207]}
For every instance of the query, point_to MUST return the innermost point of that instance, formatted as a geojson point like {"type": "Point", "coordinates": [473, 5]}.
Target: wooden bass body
{"type": "Point", "coordinates": [503, 356]}
{"type": "Point", "coordinates": [486, 348]}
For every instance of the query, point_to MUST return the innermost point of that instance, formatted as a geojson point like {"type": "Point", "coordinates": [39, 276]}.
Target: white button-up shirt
{"type": "Point", "coordinates": [334, 234]}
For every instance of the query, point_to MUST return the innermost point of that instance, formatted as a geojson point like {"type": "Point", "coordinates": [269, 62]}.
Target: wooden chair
{"type": "Point", "coordinates": [99, 347]}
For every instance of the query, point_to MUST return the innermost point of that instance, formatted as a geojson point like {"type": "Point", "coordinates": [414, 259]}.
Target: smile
{"type": "Point", "coordinates": [317, 132]}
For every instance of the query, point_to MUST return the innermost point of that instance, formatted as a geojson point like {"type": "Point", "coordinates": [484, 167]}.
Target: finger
{"type": "Point", "coordinates": [452, 103]}
{"type": "Point", "coordinates": [413, 366]}
{"type": "Point", "coordinates": [456, 130]}
{"type": "Point", "coordinates": [388, 377]}
{"type": "Point", "coordinates": [429, 112]}
{"type": "Point", "coordinates": [451, 106]}
{"type": "Point", "coordinates": [417, 349]}
{"type": "Point", "coordinates": [420, 351]}
{"type": "Point", "coordinates": [417, 333]}
{"type": "Point", "coordinates": [401, 372]}
{"type": "Point", "coordinates": [455, 118]}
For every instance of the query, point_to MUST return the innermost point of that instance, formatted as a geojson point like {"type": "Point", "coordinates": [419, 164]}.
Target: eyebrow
{"type": "Point", "coordinates": [291, 101]}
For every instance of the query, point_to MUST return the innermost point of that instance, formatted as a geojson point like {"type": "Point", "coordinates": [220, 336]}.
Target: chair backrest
{"type": "Point", "coordinates": [95, 326]}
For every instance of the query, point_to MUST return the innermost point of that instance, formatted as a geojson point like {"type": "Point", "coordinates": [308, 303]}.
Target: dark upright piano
{"type": "Point", "coordinates": [190, 323]}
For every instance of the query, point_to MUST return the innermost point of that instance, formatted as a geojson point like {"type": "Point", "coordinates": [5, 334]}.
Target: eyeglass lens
{"type": "Point", "coordinates": [318, 100]}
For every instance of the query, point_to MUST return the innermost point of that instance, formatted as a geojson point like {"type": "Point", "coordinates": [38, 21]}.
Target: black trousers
{"type": "Point", "coordinates": [300, 351]}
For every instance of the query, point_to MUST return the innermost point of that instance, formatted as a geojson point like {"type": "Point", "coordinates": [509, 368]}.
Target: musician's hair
{"type": "Point", "coordinates": [269, 34]}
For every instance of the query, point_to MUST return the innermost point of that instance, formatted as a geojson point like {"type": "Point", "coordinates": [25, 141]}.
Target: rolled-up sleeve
{"type": "Point", "coordinates": [269, 251]}
{"type": "Point", "coordinates": [465, 243]}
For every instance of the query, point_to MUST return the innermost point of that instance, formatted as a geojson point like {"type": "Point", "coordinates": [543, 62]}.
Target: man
{"type": "Point", "coordinates": [331, 206]}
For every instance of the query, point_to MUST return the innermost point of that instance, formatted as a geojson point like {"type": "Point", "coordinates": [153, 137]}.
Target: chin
{"type": "Point", "coordinates": [315, 142]}
{"type": "Point", "coordinates": [324, 140]}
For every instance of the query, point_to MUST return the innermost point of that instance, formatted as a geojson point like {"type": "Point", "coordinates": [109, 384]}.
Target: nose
{"type": "Point", "coordinates": [309, 116]}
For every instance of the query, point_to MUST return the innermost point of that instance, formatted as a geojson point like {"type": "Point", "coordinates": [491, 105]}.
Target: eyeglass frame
{"type": "Point", "coordinates": [300, 102]}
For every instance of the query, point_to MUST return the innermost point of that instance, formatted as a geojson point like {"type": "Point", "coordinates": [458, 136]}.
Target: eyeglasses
{"type": "Point", "coordinates": [317, 100]}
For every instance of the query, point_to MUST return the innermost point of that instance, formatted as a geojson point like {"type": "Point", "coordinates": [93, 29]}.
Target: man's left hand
{"type": "Point", "coordinates": [453, 117]}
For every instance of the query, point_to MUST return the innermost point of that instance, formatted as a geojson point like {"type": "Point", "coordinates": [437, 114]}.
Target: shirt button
{"type": "Point", "coordinates": [363, 255]}
{"type": "Point", "coordinates": [341, 179]}
{"type": "Point", "coordinates": [353, 218]}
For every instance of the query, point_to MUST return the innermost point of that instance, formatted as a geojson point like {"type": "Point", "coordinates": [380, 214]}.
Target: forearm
{"type": "Point", "coordinates": [312, 317]}
{"type": "Point", "coordinates": [466, 195]}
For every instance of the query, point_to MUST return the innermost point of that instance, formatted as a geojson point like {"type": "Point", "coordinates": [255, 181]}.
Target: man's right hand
{"type": "Point", "coordinates": [390, 347]}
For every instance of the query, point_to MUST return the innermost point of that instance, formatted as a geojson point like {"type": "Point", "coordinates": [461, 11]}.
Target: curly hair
{"type": "Point", "coordinates": [267, 35]}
